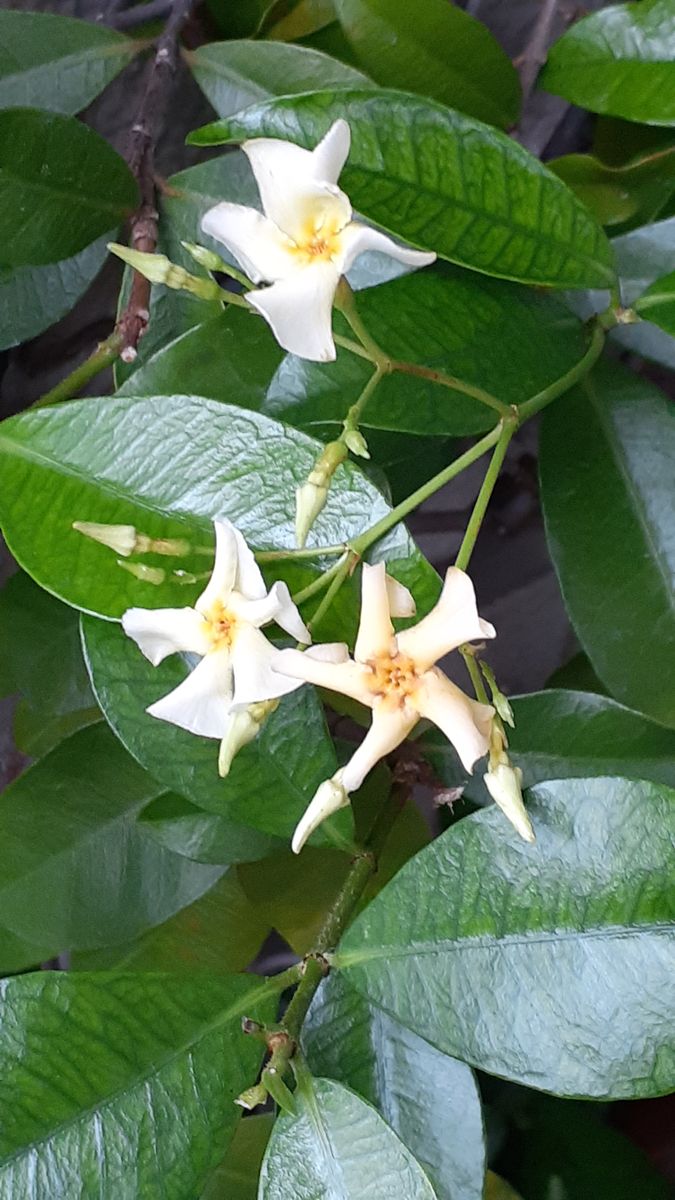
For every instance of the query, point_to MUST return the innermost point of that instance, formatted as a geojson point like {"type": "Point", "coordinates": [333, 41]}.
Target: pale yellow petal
{"type": "Point", "coordinates": [343, 676]}
{"type": "Point", "coordinates": [466, 723]}
{"type": "Point", "coordinates": [376, 631]}
{"type": "Point", "coordinates": [453, 621]}
{"type": "Point", "coordinates": [390, 727]}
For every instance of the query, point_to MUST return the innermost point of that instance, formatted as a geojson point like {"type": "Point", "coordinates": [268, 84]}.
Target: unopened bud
{"type": "Point", "coordinates": [120, 538]}
{"type": "Point", "coordinates": [330, 796]}
{"type": "Point", "coordinates": [499, 700]}
{"type": "Point", "coordinates": [311, 496]}
{"type": "Point", "coordinates": [503, 782]}
{"type": "Point", "coordinates": [252, 1097]}
{"type": "Point", "coordinates": [206, 258]}
{"type": "Point", "coordinates": [159, 269]}
{"type": "Point", "coordinates": [355, 441]}
{"type": "Point", "coordinates": [242, 728]}
{"type": "Point", "coordinates": [140, 571]}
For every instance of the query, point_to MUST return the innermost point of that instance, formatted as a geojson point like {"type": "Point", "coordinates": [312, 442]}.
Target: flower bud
{"type": "Point", "coordinates": [330, 796]}
{"type": "Point", "coordinates": [498, 698]}
{"type": "Point", "coordinates": [159, 269]}
{"type": "Point", "coordinates": [146, 574]}
{"type": "Point", "coordinates": [503, 782]}
{"type": "Point", "coordinates": [243, 726]}
{"type": "Point", "coordinates": [205, 258]}
{"type": "Point", "coordinates": [355, 441]}
{"type": "Point", "coordinates": [311, 496]}
{"type": "Point", "coordinates": [120, 538]}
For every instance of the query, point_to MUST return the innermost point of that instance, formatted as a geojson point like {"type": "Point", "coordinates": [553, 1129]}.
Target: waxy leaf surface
{"type": "Point", "coordinates": [550, 964]}
{"type": "Point", "coordinates": [33, 298]}
{"type": "Point", "coordinates": [206, 837]}
{"type": "Point", "coordinates": [443, 182]}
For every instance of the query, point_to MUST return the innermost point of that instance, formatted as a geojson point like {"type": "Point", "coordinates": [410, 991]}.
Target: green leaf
{"type": "Point", "coordinates": [338, 1145]}
{"type": "Point", "coordinates": [235, 74]}
{"type": "Point", "coordinates": [77, 871]}
{"type": "Point", "coordinates": [64, 62]}
{"type": "Point", "coordinates": [627, 195]}
{"type": "Point", "coordinates": [219, 932]}
{"type": "Point", "coordinates": [237, 1177]}
{"type": "Point", "coordinates": [294, 894]}
{"type": "Point", "coordinates": [61, 186]}
{"type": "Point", "coordinates": [430, 1100]}
{"type": "Point", "coordinates": [568, 735]}
{"type": "Point", "coordinates": [550, 964]}
{"type": "Point", "coordinates": [437, 50]}
{"type": "Point", "coordinates": [452, 321]}
{"type": "Point", "coordinates": [239, 18]}
{"type": "Point", "coordinates": [619, 61]}
{"type": "Point", "coordinates": [464, 211]}
{"type": "Point", "coordinates": [33, 298]}
{"type": "Point", "coordinates": [643, 256]}
{"type": "Point", "coordinates": [202, 836]}
{"type": "Point", "coordinates": [119, 1086]}
{"type": "Point", "coordinates": [36, 733]}
{"type": "Point", "coordinates": [607, 453]}
{"type": "Point", "coordinates": [577, 675]}
{"type": "Point", "coordinates": [657, 304]}
{"type": "Point", "coordinates": [306, 17]}
{"type": "Point", "coordinates": [168, 465]}
{"type": "Point", "coordinates": [271, 780]}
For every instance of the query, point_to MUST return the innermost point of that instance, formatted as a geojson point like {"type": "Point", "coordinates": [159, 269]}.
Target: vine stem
{"type": "Point", "coordinates": [483, 498]}
{"type": "Point", "coordinates": [264, 556]}
{"type": "Point", "coordinates": [451, 381]}
{"type": "Point", "coordinates": [103, 356]}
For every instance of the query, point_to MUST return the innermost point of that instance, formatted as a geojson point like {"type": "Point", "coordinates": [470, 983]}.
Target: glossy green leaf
{"type": "Point", "coordinates": [271, 780]}
{"type": "Point", "coordinates": [203, 836]}
{"type": "Point", "coordinates": [294, 893]}
{"type": "Point", "coordinates": [430, 1100]}
{"type": "Point", "coordinates": [549, 964]}
{"type": "Point", "coordinates": [449, 320]}
{"type": "Point", "coordinates": [608, 453]}
{"type": "Point", "coordinates": [657, 304]}
{"type": "Point", "coordinates": [61, 186]}
{"type": "Point", "coordinates": [168, 465]}
{"type": "Point", "coordinates": [119, 1086]}
{"type": "Point", "coordinates": [435, 49]}
{"type": "Point", "coordinates": [492, 206]}
{"type": "Point", "coordinates": [577, 675]}
{"type": "Point", "coordinates": [568, 735]}
{"type": "Point", "coordinates": [60, 61]}
{"type": "Point", "coordinates": [235, 74]}
{"type": "Point", "coordinates": [627, 195]}
{"type": "Point", "coordinates": [337, 1145]}
{"type": "Point", "coordinates": [33, 298]}
{"type": "Point", "coordinates": [307, 17]}
{"type": "Point", "coordinates": [237, 1177]}
{"type": "Point", "coordinates": [239, 18]}
{"type": "Point", "coordinates": [76, 870]}
{"type": "Point", "coordinates": [220, 931]}
{"type": "Point", "coordinates": [36, 733]}
{"type": "Point", "coordinates": [619, 61]}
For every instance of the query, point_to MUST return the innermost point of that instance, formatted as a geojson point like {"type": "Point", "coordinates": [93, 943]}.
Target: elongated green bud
{"type": "Point", "coordinates": [126, 540]}
{"type": "Point", "coordinates": [159, 269]}
{"type": "Point", "coordinates": [206, 258]}
{"type": "Point", "coordinates": [242, 728]}
{"type": "Point", "coordinates": [311, 496]}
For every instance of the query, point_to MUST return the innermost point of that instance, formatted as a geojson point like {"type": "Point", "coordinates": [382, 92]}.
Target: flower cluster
{"type": "Point", "coordinates": [241, 675]}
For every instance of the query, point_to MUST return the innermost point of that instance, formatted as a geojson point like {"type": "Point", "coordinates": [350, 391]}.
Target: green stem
{"type": "Point", "coordinates": [353, 347]}
{"type": "Point", "coordinates": [338, 576]}
{"type": "Point", "coordinates": [346, 303]}
{"type": "Point", "coordinates": [451, 381]}
{"type": "Point", "coordinates": [353, 417]}
{"type": "Point", "coordinates": [474, 672]}
{"type": "Point", "coordinates": [579, 371]}
{"type": "Point", "coordinates": [104, 355]}
{"type": "Point", "coordinates": [318, 585]}
{"type": "Point", "coordinates": [264, 556]}
{"type": "Point", "coordinates": [483, 498]}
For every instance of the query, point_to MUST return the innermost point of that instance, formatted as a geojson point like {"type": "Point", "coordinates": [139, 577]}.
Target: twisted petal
{"type": "Point", "coordinates": [389, 728]}
{"type": "Point", "coordinates": [201, 703]}
{"type": "Point", "coordinates": [276, 606]}
{"type": "Point", "coordinates": [330, 155]}
{"type": "Point", "coordinates": [253, 662]}
{"type": "Point", "coordinates": [376, 631]}
{"type": "Point", "coordinates": [259, 246]}
{"type": "Point", "coordinates": [224, 573]}
{"type": "Point", "coordinates": [248, 580]}
{"type": "Point", "coordinates": [453, 621]}
{"type": "Point", "coordinates": [358, 238]}
{"type": "Point", "coordinates": [465, 722]}
{"type": "Point", "coordinates": [401, 601]}
{"type": "Point", "coordinates": [162, 631]}
{"type": "Point", "coordinates": [338, 675]}
{"type": "Point", "coordinates": [329, 797]}
{"type": "Point", "coordinates": [299, 309]}
{"type": "Point", "coordinates": [285, 173]}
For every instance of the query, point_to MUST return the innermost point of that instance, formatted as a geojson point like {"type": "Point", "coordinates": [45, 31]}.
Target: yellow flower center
{"type": "Point", "coordinates": [319, 237]}
{"type": "Point", "coordinates": [221, 624]}
{"type": "Point", "coordinates": [392, 677]}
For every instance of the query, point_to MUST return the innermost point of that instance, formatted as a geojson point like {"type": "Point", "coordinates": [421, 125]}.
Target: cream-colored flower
{"type": "Point", "coordinates": [395, 675]}
{"type": "Point", "coordinates": [305, 240]}
{"type": "Point", "coordinates": [236, 667]}
{"type": "Point", "coordinates": [504, 783]}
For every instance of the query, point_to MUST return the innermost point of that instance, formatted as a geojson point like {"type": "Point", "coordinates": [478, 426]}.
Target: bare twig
{"type": "Point", "coordinates": [154, 10]}
{"type": "Point", "coordinates": [144, 134]}
{"type": "Point", "coordinates": [533, 57]}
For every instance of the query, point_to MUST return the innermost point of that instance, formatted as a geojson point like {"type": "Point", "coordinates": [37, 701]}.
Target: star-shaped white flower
{"type": "Point", "coordinates": [224, 628]}
{"type": "Point", "coordinates": [304, 242]}
{"type": "Point", "coordinates": [395, 675]}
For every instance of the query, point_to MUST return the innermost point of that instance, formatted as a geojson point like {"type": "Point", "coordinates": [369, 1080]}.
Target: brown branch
{"type": "Point", "coordinates": [145, 132]}
{"type": "Point", "coordinates": [533, 57]}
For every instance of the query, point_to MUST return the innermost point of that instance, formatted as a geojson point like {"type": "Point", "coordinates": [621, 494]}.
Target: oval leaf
{"type": "Point", "coordinates": [355, 1042]}
{"type": "Point", "coordinates": [63, 61]}
{"type": "Point", "coordinates": [551, 964]}
{"type": "Point", "coordinates": [608, 451]}
{"type": "Point", "coordinates": [435, 49]}
{"type": "Point", "coordinates": [33, 298]}
{"type": "Point", "coordinates": [657, 304]}
{"type": "Point", "coordinates": [202, 836]}
{"type": "Point", "coordinates": [443, 182]}
{"type": "Point", "coordinates": [61, 186]}
{"type": "Point", "coordinates": [148, 1108]}
{"type": "Point", "coordinates": [619, 61]}
{"type": "Point", "coordinates": [338, 1145]}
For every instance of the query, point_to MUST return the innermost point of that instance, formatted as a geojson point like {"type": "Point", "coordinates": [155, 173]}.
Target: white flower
{"type": "Point", "coordinates": [224, 628]}
{"type": "Point", "coordinates": [304, 242]}
{"type": "Point", "coordinates": [395, 675]}
{"type": "Point", "coordinates": [504, 785]}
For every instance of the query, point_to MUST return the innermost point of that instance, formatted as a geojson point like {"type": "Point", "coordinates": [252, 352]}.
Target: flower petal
{"type": "Point", "coordinates": [389, 728]}
{"type": "Point", "coordinates": [343, 676]}
{"type": "Point", "coordinates": [161, 631]}
{"type": "Point", "coordinates": [300, 311]}
{"type": "Point", "coordinates": [357, 239]}
{"type": "Point", "coordinates": [286, 174]}
{"type": "Point", "coordinates": [328, 798]}
{"type": "Point", "coordinates": [259, 246]}
{"type": "Point", "coordinates": [276, 606]}
{"type": "Point", "coordinates": [331, 153]}
{"type": "Point", "coordinates": [254, 660]}
{"type": "Point", "coordinates": [201, 703]}
{"type": "Point", "coordinates": [503, 782]}
{"type": "Point", "coordinates": [401, 601]}
{"type": "Point", "coordinates": [376, 631]}
{"type": "Point", "coordinates": [453, 621]}
{"type": "Point", "coordinates": [465, 722]}
{"type": "Point", "coordinates": [224, 573]}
